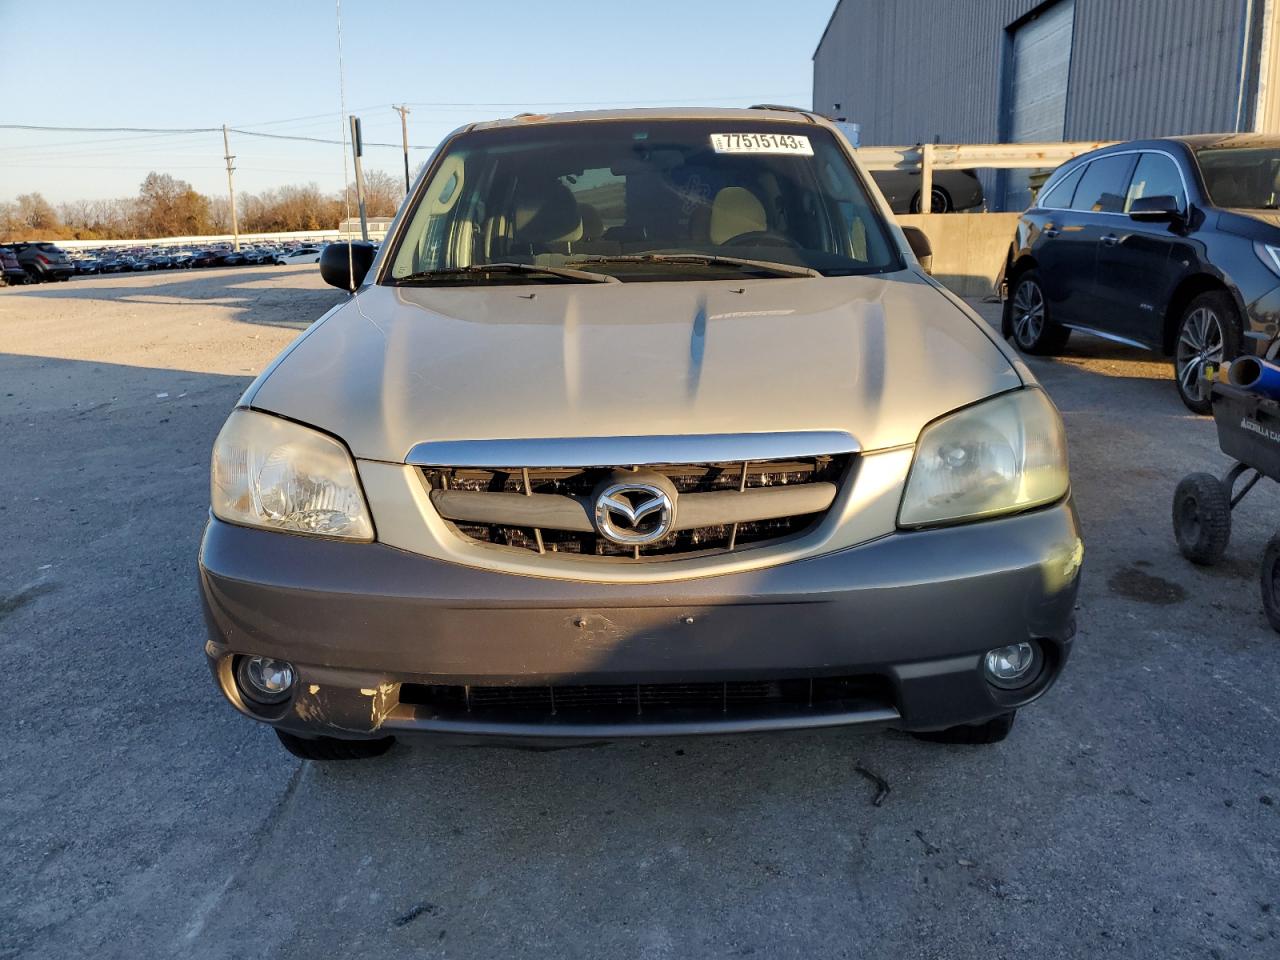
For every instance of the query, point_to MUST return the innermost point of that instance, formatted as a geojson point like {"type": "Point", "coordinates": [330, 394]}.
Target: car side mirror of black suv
{"type": "Point", "coordinates": [1157, 209]}
{"type": "Point", "coordinates": [920, 246]}
{"type": "Point", "coordinates": [344, 265]}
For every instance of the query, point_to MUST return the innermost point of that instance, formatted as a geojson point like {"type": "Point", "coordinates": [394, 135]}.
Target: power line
{"type": "Point", "coordinates": [239, 130]}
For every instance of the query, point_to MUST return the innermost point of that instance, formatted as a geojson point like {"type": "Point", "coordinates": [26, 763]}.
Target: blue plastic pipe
{"type": "Point", "coordinates": [1256, 376]}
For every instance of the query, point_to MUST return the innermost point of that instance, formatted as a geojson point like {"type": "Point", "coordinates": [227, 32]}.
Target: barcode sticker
{"type": "Point", "coordinates": [761, 143]}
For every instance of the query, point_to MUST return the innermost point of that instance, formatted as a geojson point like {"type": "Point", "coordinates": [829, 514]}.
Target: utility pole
{"type": "Point", "coordinates": [403, 110]}
{"type": "Point", "coordinates": [357, 149]}
{"type": "Point", "coordinates": [231, 188]}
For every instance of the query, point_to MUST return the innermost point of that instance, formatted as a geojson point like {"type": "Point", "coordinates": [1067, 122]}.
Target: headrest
{"type": "Point", "coordinates": [592, 223]}
{"type": "Point", "coordinates": [736, 211]}
{"type": "Point", "coordinates": [546, 212]}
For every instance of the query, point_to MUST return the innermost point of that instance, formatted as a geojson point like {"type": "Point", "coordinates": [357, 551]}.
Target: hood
{"type": "Point", "coordinates": [875, 357]}
{"type": "Point", "coordinates": [1263, 225]}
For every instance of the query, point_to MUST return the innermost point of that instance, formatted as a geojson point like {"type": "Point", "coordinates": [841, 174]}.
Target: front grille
{"type": "Point", "coordinates": [654, 700]}
{"type": "Point", "coordinates": [578, 485]}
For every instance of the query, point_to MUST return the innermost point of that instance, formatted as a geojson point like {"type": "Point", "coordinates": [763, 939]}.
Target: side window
{"type": "Point", "coordinates": [1103, 187]}
{"type": "Point", "coordinates": [1156, 176]}
{"type": "Point", "coordinates": [1060, 194]}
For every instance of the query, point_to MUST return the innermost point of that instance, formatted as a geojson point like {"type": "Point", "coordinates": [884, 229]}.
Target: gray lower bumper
{"type": "Point", "coordinates": [916, 608]}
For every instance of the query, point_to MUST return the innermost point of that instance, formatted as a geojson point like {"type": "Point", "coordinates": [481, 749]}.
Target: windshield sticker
{"type": "Point", "coordinates": [761, 143]}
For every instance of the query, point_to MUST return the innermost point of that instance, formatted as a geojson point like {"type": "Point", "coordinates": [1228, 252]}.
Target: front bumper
{"type": "Point", "coordinates": [915, 610]}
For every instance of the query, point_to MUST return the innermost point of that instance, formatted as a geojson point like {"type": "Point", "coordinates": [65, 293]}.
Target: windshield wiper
{"type": "Point", "coordinates": [711, 259]}
{"type": "Point", "coordinates": [580, 276]}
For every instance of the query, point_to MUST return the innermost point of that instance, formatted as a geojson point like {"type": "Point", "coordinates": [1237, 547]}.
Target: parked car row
{"type": "Point", "coordinates": [43, 261]}
{"type": "Point", "coordinates": [135, 260]}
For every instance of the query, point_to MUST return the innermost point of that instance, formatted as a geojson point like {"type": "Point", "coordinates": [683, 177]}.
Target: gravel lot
{"type": "Point", "coordinates": [1132, 813]}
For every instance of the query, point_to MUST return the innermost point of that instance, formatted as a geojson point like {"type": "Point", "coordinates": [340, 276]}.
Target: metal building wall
{"type": "Point", "coordinates": [916, 70]}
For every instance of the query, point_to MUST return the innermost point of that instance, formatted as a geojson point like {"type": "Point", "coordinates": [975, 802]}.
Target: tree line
{"type": "Point", "coordinates": [168, 207]}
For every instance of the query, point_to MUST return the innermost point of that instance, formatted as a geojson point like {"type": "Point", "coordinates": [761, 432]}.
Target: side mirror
{"type": "Point", "coordinates": [1157, 209]}
{"type": "Point", "coordinates": [344, 265]}
{"type": "Point", "coordinates": [920, 246]}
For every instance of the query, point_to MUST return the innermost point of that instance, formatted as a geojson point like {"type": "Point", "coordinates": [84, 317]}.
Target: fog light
{"type": "Point", "coordinates": [265, 680]}
{"type": "Point", "coordinates": [1013, 666]}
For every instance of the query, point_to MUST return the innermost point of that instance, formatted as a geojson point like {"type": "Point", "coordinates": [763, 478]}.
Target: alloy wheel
{"type": "Point", "coordinates": [1200, 341]}
{"type": "Point", "coordinates": [1028, 313]}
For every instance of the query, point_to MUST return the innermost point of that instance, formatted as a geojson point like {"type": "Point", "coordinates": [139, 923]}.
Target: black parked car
{"type": "Point", "coordinates": [1172, 245]}
{"type": "Point", "coordinates": [44, 261]}
{"type": "Point", "coordinates": [206, 258]}
{"type": "Point", "coordinates": [953, 190]}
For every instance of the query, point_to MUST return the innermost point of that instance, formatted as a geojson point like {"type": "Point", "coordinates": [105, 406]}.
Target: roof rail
{"type": "Point", "coordinates": [788, 109]}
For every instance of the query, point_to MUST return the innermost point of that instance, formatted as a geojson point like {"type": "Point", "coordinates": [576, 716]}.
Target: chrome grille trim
{"type": "Point", "coordinates": [717, 507]}
{"type": "Point", "coordinates": [632, 451]}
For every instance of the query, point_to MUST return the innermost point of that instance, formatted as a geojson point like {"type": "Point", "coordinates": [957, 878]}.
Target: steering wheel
{"type": "Point", "coordinates": [761, 238]}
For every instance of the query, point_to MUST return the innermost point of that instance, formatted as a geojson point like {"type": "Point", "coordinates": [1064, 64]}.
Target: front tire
{"type": "Point", "coordinates": [1208, 332]}
{"type": "Point", "coordinates": [1032, 327]}
{"type": "Point", "coordinates": [940, 201]}
{"type": "Point", "coordinates": [325, 749]}
{"type": "Point", "coordinates": [973, 734]}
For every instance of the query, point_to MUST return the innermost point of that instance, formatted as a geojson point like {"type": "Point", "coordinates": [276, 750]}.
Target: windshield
{"type": "Point", "coordinates": [624, 198]}
{"type": "Point", "coordinates": [1243, 177]}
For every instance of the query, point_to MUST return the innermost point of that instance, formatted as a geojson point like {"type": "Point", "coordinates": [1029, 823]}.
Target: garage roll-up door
{"type": "Point", "coordinates": [1036, 97]}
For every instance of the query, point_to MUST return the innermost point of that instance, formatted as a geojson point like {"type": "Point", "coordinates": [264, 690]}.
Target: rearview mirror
{"type": "Point", "coordinates": [344, 265]}
{"type": "Point", "coordinates": [920, 246]}
{"type": "Point", "coordinates": [1157, 209]}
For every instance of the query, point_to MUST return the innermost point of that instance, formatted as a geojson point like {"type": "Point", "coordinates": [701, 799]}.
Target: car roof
{"type": "Point", "coordinates": [783, 114]}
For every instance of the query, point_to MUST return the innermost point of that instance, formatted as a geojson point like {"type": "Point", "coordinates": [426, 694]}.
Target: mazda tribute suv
{"type": "Point", "coordinates": [639, 423]}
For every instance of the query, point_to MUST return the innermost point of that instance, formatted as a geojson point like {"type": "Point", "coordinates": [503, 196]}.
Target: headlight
{"type": "Point", "coordinates": [271, 473]}
{"type": "Point", "coordinates": [1269, 255]}
{"type": "Point", "coordinates": [1005, 454]}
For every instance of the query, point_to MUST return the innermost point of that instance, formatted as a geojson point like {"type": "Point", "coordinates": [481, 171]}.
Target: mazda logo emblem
{"type": "Point", "coordinates": [634, 513]}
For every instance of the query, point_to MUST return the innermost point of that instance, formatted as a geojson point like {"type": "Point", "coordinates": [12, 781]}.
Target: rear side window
{"type": "Point", "coordinates": [1156, 176]}
{"type": "Point", "coordinates": [1103, 187]}
{"type": "Point", "coordinates": [1060, 194]}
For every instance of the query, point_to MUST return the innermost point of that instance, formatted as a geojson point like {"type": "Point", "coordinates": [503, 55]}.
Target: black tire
{"type": "Point", "coordinates": [324, 749]}
{"type": "Point", "coordinates": [993, 731]}
{"type": "Point", "coordinates": [940, 203]}
{"type": "Point", "coordinates": [1270, 582]}
{"type": "Point", "coordinates": [1209, 330]}
{"type": "Point", "coordinates": [1030, 324]}
{"type": "Point", "coordinates": [1202, 518]}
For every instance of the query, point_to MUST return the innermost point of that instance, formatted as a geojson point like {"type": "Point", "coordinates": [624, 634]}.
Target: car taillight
{"type": "Point", "coordinates": [42, 259]}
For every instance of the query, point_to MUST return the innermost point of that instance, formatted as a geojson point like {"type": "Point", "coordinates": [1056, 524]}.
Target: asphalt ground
{"type": "Point", "coordinates": [1133, 812]}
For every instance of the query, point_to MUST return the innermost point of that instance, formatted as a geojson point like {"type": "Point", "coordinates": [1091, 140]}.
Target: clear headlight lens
{"type": "Point", "coordinates": [1005, 454]}
{"type": "Point", "coordinates": [271, 473]}
{"type": "Point", "coordinates": [1269, 255]}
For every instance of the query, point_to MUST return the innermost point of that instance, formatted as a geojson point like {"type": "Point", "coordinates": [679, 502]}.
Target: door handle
{"type": "Point", "coordinates": [1051, 231]}
{"type": "Point", "coordinates": [1110, 240]}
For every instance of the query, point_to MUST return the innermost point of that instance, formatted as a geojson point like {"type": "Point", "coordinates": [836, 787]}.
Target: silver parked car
{"type": "Point", "coordinates": [639, 423]}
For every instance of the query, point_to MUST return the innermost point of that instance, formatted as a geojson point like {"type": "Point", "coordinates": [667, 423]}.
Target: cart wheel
{"type": "Point", "coordinates": [1271, 582]}
{"type": "Point", "coordinates": [1202, 518]}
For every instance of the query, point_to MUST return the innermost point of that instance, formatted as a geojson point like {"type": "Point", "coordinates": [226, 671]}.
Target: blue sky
{"type": "Point", "coordinates": [272, 67]}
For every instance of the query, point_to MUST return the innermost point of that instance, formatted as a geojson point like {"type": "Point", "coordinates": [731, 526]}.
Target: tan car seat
{"type": "Point", "coordinates": [736, 211]}
{"type": "Point", "coordinates": [546, 212]}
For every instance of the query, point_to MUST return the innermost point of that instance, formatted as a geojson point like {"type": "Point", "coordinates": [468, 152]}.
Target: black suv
{"type": "Point", "coordinates": [1172, 245]}
{"type": "Point", "coordinates": [44, 261]}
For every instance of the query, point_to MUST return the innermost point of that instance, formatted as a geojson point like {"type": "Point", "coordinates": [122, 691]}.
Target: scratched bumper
{"type": "Point", "coordinates": [364, 623]}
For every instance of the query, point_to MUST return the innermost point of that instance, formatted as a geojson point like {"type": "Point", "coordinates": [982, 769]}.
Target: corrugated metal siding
{"type": "Point", "coordinates": [916, 70]}
{"type": "Point", "coordinates": [912, 70]}
{"type": "Point", "coordinates": [1144, 68]}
